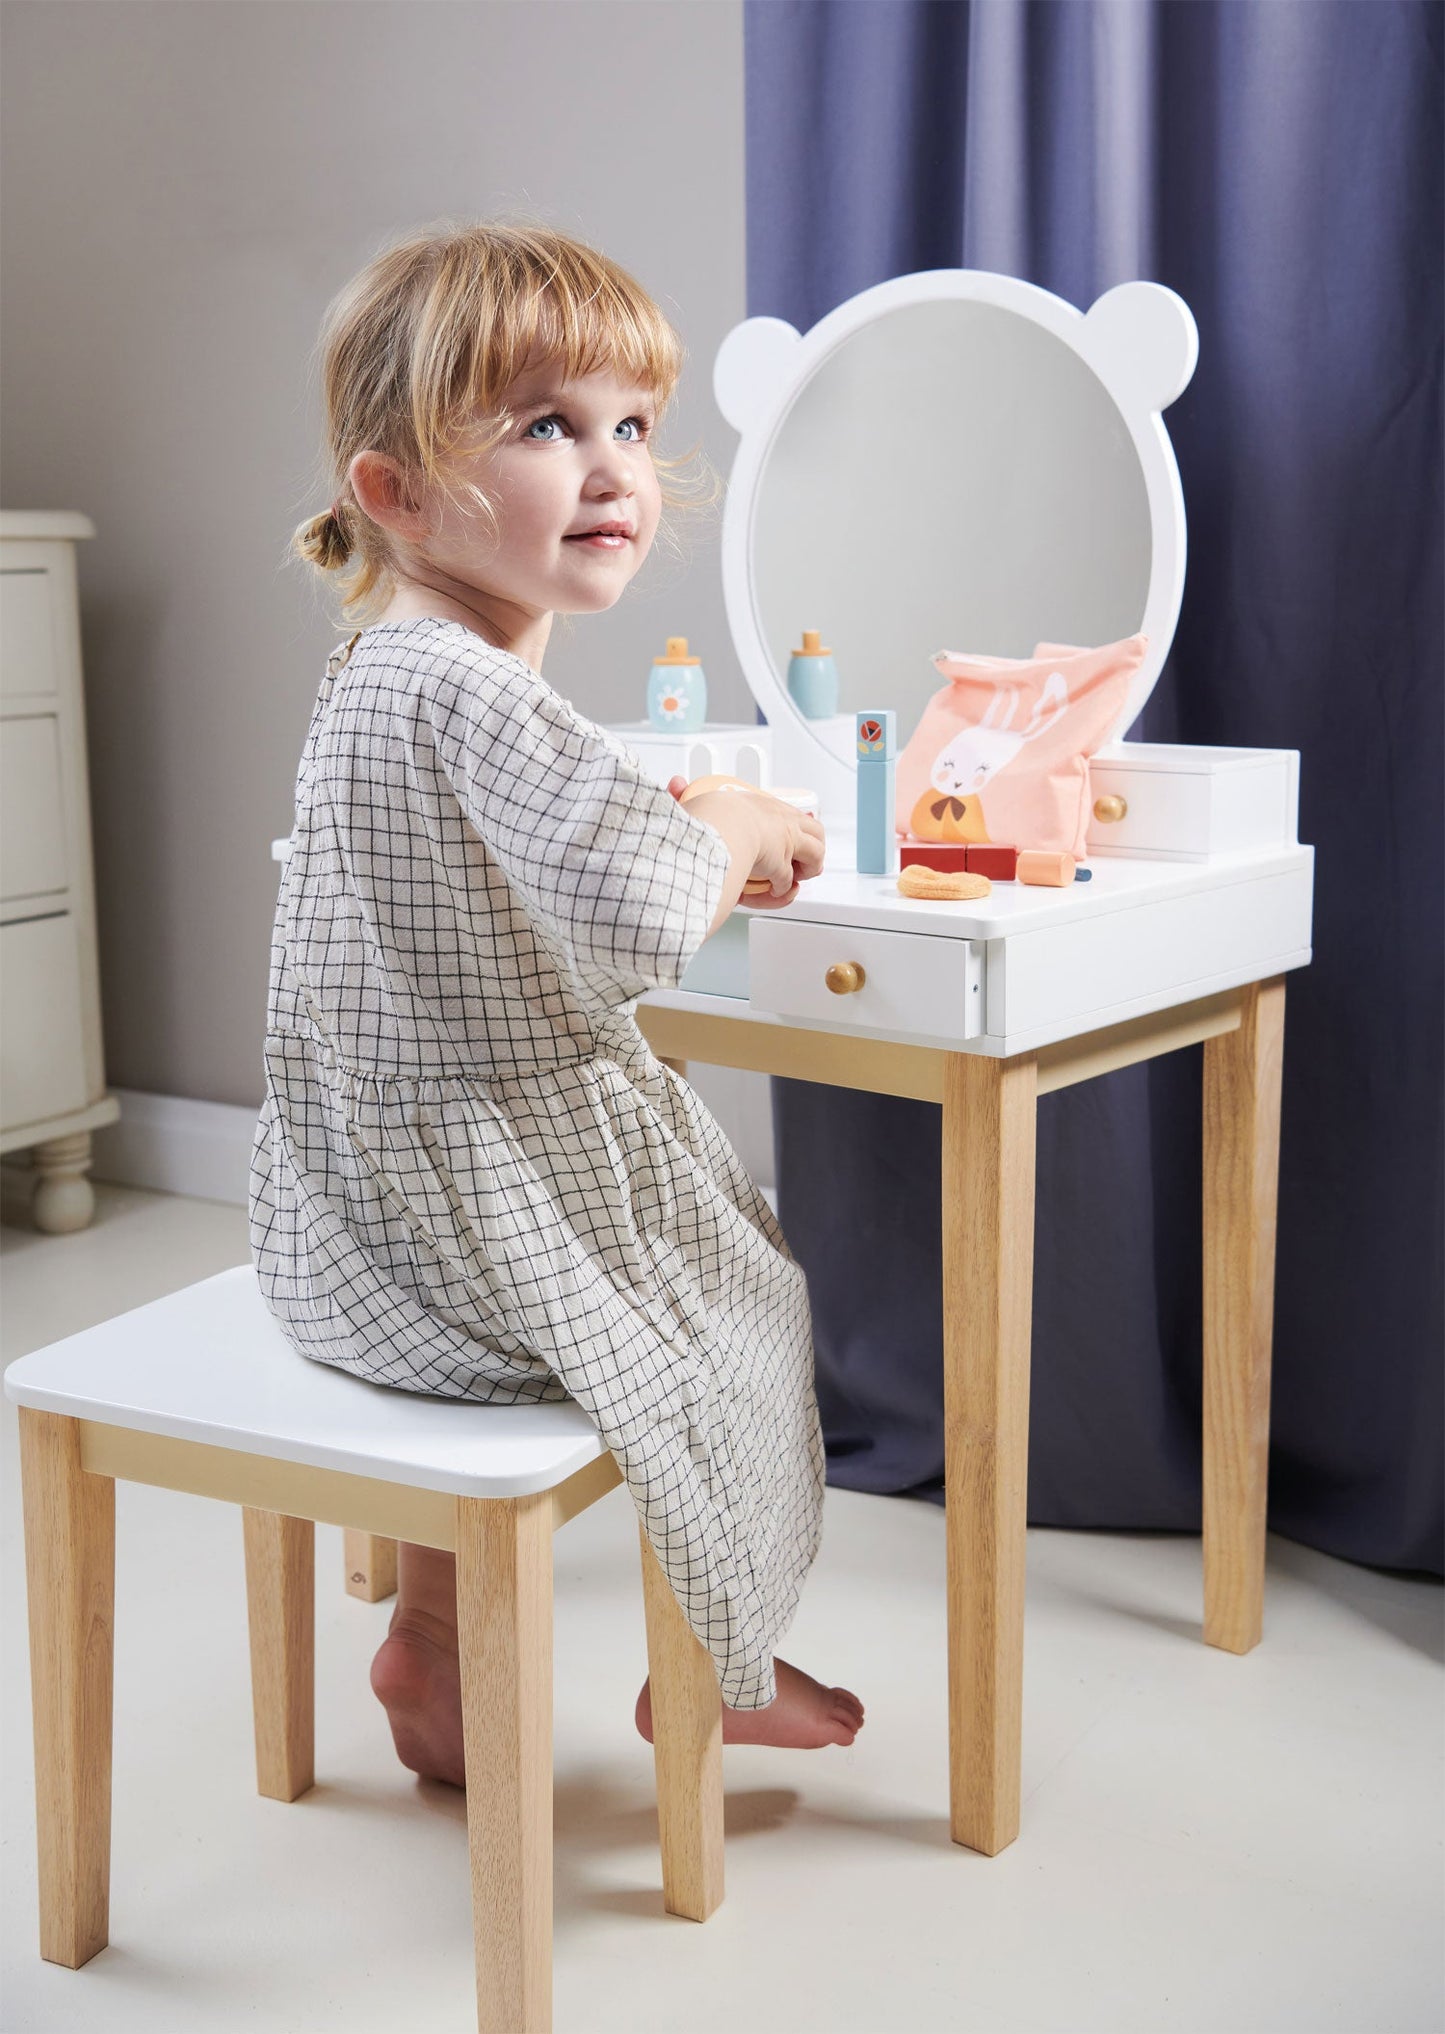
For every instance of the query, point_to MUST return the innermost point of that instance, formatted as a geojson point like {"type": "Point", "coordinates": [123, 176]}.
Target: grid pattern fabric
{"type": "Point", "coordinates": [471, 1177]}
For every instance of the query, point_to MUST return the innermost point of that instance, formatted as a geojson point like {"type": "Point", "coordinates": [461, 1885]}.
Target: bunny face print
{"type": "Point", "coordinates": [1001, 753]}
{"type": "Point", "coordinates": [979, 753]}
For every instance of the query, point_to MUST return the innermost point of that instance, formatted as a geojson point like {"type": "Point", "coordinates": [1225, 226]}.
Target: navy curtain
{"type": "Point", "coordinates": [1279, 165]}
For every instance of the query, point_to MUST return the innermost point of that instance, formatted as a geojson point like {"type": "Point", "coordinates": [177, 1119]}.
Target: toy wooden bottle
{"type": "Point", "coordinates": [677, 690]}
{"type": "Point", "coordinates": [813, 678]}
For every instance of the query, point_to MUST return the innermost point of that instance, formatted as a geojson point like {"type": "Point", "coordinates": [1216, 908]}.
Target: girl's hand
{"type": "Point", "coordinates": [777, 845]}
{"type": "Point", "coordinates": [791, 849]}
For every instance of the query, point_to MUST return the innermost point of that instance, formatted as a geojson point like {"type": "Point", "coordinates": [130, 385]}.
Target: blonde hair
{"type": "Point", "coordinates": [417, 354]}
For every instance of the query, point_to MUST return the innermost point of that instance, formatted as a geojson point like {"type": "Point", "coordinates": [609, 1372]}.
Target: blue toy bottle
{"type": "Point", "coordinates": [677, 691]}
{"type": "Point", "coordinates": [877, 845]}
{"type": "Point", "coordinates": [813, 678]}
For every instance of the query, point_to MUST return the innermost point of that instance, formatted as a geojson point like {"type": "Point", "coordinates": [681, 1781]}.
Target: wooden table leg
{"type": "Point", "coordinates": [281, 1613]}
{"type": "Point", "coordinates": [687, 1749]}
{"type": "Point", "coordinates": [988, 1251]}
{"type": "Point", "coordinates": [504, 1625]}
{"type": "Point", "coordinates": [1242, 1072]}
{"type": "Point", "coordinates": [70, 1583]}
{"type": "Point", "coordinates": [370, 1565]}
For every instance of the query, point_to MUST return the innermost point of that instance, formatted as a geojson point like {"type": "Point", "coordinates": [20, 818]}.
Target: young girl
{"type": "Point", "coordinates": [471, 1177]}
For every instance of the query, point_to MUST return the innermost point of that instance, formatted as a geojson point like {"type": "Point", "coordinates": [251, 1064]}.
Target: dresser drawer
{"type": "Point", "coordinates": [912, 983]}
{"type": "Point", "coordinates": [32, 831]}
{"type": "Point", "coordinates": [27, 632]}
{"type": "Point", "coordinates": [42, 1046]}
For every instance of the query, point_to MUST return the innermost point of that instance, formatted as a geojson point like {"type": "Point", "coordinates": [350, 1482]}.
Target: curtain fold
{"type": "Point", "coordinates": [1279, 166]}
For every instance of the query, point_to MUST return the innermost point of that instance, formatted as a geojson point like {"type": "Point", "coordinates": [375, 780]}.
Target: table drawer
{"type": "Point", "coordinates": [32, 836]}
{"type": "Point", "coordinates": [913, 983]}
{"type": "Point", "coordinates": [27, 632]}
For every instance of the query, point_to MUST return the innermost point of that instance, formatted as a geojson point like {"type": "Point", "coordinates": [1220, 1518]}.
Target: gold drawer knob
{"type": "Point", "coordinates": [844, 977]}
{"type": "Point", "coordinates": [1110, 808]}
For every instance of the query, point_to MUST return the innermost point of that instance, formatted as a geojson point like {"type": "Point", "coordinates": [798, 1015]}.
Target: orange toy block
{"type": "Point", "coordinates": [1038, 865]}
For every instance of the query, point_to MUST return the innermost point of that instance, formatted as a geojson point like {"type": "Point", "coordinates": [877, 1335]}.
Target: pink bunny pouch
{"type": "Point", "coordinates": [1002, 751]}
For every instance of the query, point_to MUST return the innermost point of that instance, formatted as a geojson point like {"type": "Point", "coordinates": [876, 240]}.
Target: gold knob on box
{"type": "Point", "coordinates": [1109, 809]}
{"type": "Point", "coordinates": [844, 977]}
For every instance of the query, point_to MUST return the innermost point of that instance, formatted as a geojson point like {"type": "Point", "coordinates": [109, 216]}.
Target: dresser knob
{"type": "Point", "coordinates": [1109, 809]}
{"type": "Point", "coordinates": [844, 977]}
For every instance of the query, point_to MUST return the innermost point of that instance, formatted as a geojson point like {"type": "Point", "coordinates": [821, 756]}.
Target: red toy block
{"type": "Point", "coordinates": [1000, 864]}
{"type": "Point", "coordinates": [932, 854]}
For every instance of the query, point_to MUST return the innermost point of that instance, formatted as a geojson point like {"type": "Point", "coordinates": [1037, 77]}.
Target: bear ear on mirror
{"type": "Point", "coordinates": [1143, 341]}
{"type": "Point", "coordinates": [753, 363]}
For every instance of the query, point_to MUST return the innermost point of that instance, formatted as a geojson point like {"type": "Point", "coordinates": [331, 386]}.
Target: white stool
{"type": "Point", "coordinates": [201, 1392]}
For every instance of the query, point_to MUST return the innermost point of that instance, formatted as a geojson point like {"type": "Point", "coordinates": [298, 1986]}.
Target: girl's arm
{"type": "Point", "coordinates": [741, 828]}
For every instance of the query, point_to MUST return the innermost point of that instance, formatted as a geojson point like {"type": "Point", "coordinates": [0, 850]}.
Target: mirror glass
{"type": "Point", "coordinates": [952, 477]}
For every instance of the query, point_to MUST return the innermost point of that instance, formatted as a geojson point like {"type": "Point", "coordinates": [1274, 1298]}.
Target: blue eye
{"type": "Point", "coordinates": [551, 429]}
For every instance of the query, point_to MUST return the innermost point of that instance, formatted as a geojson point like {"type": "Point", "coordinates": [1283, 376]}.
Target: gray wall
{"type": "Point", "coordinates": [184, 187]}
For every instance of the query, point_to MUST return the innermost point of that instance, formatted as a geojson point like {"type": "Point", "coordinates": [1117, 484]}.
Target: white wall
{"type": "Point", "coordinates": [182, 189]}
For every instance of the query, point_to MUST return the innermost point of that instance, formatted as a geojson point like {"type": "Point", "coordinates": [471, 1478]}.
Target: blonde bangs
{"type": "Point", "coordinates": [502, 300]}
{"type": "Point", "coordinates": [582, 313]}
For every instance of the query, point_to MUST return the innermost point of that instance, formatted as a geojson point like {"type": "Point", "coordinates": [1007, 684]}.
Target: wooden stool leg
{"type": "Point", "coordinates": [988, 1249]}
{"type": "Point", "coordinates": [687, 1750]}
{"type": "Point", "coordinates": [370, 1565]}
{"type": "Point", "coordinates": [504, 1627]}
{"type": "Point", "coordinates": [1242, 1073]}
{"type": "Point", "coordinates": [281, 1609]}
{"type": "Point", "coordinates": [70, 1578]}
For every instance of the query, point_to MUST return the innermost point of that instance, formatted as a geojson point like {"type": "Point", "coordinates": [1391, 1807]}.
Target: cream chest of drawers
{"type": "Point", "coordinates": [52, 1076]}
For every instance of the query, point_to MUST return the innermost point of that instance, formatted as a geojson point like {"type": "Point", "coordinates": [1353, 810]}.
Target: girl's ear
{"type": "Point", "coordinates": [385, 493]}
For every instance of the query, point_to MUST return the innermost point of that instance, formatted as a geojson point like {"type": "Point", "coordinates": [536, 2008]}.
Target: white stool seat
{"type": "Point", "coordinates": [211, 1364]}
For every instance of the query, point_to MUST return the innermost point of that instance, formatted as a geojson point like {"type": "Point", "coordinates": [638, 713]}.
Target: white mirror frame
{"type": "Point", "coordinates": [1141, 341]}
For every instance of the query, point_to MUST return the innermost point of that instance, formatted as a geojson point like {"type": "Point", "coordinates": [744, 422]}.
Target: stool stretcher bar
{"type": "Point", "coordinates": [399, 1511]}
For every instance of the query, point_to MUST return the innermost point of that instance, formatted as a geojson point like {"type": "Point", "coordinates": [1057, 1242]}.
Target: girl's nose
{"type": "Point", "coordinates": [611, 471]}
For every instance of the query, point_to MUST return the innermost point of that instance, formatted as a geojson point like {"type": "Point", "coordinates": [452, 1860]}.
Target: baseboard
{"type": "Point", "coordinates": [176, 1146]}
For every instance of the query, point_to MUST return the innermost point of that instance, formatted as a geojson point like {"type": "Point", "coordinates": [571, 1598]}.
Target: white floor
{"type": "Point", "coordinates": [1208, 1843]}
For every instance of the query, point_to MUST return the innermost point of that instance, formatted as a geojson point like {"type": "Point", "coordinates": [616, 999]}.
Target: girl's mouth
{"type": "Point", "coordinates": [606, 537]}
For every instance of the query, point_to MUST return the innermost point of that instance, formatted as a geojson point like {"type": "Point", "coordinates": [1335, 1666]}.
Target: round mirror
{"type": "Point", "coordinates": [951, 476]}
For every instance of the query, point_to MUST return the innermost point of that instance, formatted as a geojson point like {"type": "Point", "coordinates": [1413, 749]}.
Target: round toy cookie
{"type": "Point", "coordinates": [947, 885]}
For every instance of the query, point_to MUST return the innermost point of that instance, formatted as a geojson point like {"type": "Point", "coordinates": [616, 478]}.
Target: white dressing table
{"type": "Point", "coordinates": [958, 459]}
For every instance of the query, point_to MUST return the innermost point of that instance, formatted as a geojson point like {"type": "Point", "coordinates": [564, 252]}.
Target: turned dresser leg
{"type": "Point", "coordinates": [64, 1199]}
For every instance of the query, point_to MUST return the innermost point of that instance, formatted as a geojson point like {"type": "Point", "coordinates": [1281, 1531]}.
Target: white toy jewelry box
{"type": "Point", "coordinates": [1176, 803]}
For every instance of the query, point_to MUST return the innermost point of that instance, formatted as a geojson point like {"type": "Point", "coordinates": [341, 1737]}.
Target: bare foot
{"type": "Point", "coordinates": [417, 1679]}
{"type": "Point", "coordinates": [803, 1715]}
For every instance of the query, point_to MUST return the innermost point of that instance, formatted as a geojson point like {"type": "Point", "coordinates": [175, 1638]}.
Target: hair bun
{"type": "Point", "coordinates": [322, 541]}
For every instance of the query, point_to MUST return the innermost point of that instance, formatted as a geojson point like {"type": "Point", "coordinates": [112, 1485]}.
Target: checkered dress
{"type": "Point", "coordinates": [471, 1177]}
